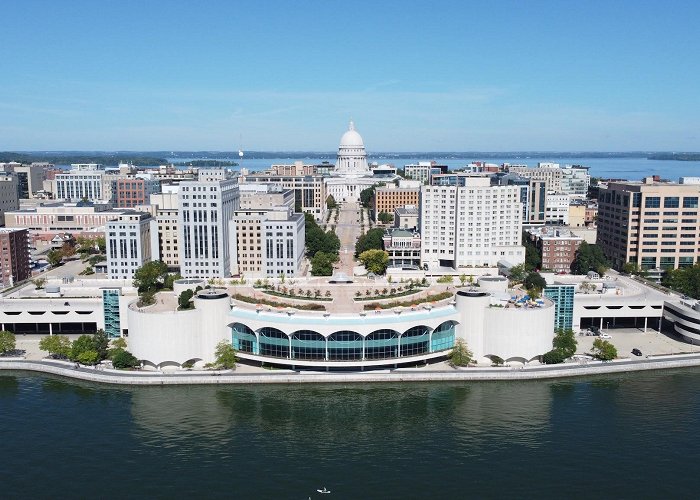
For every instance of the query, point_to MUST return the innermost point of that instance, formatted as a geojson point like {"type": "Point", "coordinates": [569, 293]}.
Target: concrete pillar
{"type": "Point", "coordinates": [645, 324]}
{"type": "Point", "coordinates": [291, 356]}
{"type": "Point", "coordinates": [326, 351]}
{"type": "Point", "coordinates": [363, 348]}
{"type": "Point", "coordinates": [430, 341]}
{"type": "Point", "coordinates": [614, 321]}
{"type": "Point", "coordinates": [50, 328]}
{"type": "Point", "coordinates": [601, 322]}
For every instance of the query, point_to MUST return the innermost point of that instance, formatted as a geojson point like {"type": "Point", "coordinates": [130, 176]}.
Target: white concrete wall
{"type": "Point", "coordinates": [517, 332]}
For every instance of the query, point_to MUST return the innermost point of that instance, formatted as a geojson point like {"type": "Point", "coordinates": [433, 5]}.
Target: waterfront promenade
{"type": "Point", "coordinates": [107, 376]}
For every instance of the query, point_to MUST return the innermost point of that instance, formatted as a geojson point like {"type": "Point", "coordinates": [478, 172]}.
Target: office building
{"type": "Point", "coordinates": [132, 241]}
{"type": "Point", "coordinates": [9, 200]}
{"type": "Point", "coordinates": [166, 209]}
{"type": "Point", "coordinates": [650, 223]}
{"type": "Point", "coordinates": [407, 217]}
{"type": "Point", "coordinates": [550, 173]}
{"type": "Point", "coordinates": [133, 191]}
{"type": "Point", "coordinates": [556, 210]}
{"type": "Point", "coordinates": [403, 248]}
{"type": "Point", "coordinates": [54, 218]}
{"type": "Point", "coordinates": [389, 198]}
{"type": "Point", "coordinates": [423, 171]}
{"type": "Point", "coordinates": [206, 207]}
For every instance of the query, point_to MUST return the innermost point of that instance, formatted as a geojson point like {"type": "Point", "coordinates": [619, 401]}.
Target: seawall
{"type": "Point", "coordinates": [399, 375]}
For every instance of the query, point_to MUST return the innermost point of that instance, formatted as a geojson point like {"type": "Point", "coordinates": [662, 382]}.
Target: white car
{"type": "Point", "coordinates": [605, 336]}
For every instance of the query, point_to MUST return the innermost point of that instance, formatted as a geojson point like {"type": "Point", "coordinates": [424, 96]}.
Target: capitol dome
{"type": "Point", "coordinates": [351, 139]}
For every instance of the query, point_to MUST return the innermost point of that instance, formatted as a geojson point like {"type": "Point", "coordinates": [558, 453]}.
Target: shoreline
{"type": "Point", "coordinates": [568, 370]}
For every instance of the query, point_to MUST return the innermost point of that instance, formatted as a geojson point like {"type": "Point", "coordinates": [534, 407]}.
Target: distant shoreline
{"type": "Point", "coordinates": [114, 377]}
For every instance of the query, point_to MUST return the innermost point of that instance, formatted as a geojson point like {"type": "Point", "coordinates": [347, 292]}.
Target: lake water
{"type": "Point", "coordinates": [617, 168]}
{"type": "Point", "coordinates": [622, 436]}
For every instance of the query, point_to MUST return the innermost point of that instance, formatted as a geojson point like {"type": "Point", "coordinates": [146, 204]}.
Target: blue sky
{"type": "Point", "coordinates": [414, 75]}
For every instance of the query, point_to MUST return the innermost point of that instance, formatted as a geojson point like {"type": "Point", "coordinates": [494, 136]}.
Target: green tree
{"type": "Point", "coordinates": [101, 244]}
{"type": "Point", "coordinates": [97, 343]}
{"type": "Point", "coordinates": [604, 350]}
{"type": "Point", "coordinates": [54, 257]}
{"type": "Point", "coordinates": [39, 283]}
{"type": "Point", "coordinates": [518, 273]}
{"type": "Point", "coordinates": [385, 217]}
{"type": "Point", "coordinates": [7, 341]}
{"type": "Point", "coordinates": [553, 357]}
{"type": "Point", "coordinates": [331, 204]}
{"type": "Point", "coordinates": [119, 343]}
{"type": "Point", "coordinates": [87, 358]}
{"type": "Point", "coordinates": [67, 250]}
{"type": "Point", "coordinates": [462, 279]}
{"type": "Point", "coordinates": [375, 261]}
{"type": "Point", "coordinates": [533, 259]}
{"type": "Point", "coordinates": [225, 355]}
{"type": "Point", "coordinates": [565, 342]}
{"type": "Point", "coordinates": [534, 283]}
{"type": "Point", "coordinates": [322, 264]}
{"type": "Point", "coordinates": [366, 196]}
{"type": "Point", "coordinates": [589, 258]}
{"type": "Point", "coordinates": [124, 359]}
{"type": "Point", "coordinates": [460, 355]}
{"type": "Point", "coordinates": [170, 279]}
{"type": "Point", "coordinates": [685, 280]}
{"type": "Point", "coordinates": [371, 240]}
{"type": "Point", "coordinates": [150, 276]}
{"type": "Point", "coordinates": [58, 346]}
{"type": "Point", "coordinates": [100, 342]}
{"type": "Point", "coordinates": [184, 300]}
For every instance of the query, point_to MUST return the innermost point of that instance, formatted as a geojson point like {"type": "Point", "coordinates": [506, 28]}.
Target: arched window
{"type": "Point", "coordinates": [307, 344]}
{"type": "Point", "coordinates": [443, 337]}
{"type": "Point", "coordinates": [244, 339]}
{"type": "Point", "coordinates": [344, 346]}
{"type": "Point", "coordinates": [414, 341]}
{"type": "Point", "coordinates": [382, 344]}
{"type": "Point", "coordinates": [274, 342]}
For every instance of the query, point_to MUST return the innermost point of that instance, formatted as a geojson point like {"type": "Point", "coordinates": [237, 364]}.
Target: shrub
{"type": "Point", "coordinates": [124, 359]}
{"type": "Point", "coordinates": [553, 357]}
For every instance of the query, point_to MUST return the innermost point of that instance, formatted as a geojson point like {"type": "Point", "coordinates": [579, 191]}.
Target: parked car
{"type": "Point", "coordinates": [605, 336]}
{"type": "Point", "coordinates": [636, 352]}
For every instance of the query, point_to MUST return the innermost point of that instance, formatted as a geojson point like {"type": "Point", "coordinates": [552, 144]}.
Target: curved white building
{"type": "Point", "coordinates": [302, 339]}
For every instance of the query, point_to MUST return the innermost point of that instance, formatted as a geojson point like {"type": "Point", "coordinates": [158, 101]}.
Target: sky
{"type": "Point", "coordinates": [289, 75]}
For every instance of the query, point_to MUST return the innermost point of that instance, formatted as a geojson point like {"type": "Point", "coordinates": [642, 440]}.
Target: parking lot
{"type": "Point", "coordinates": [652, 343]}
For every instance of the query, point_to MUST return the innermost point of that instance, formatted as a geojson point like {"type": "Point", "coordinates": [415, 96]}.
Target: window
{"type": "Point", "coordinates": [652, 202]}
{"type": "Point", "coordinates": [671, 202]}
{"type": "Point", "coordinates": [690, 202]}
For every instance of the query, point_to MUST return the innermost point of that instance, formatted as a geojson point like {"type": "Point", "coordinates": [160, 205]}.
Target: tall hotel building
{"type": "Point", "coordinates": [466, 222]}
{"type": "Point", "coordinates": [650, 223]}
{"type": "Point", "coordinates": [206, 207]}
{"type": "Point", "coordinates": [132, 241]}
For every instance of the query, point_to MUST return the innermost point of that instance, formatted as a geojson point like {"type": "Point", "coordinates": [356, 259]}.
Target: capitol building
{"type": "Point", "coordinates": [352, 173]}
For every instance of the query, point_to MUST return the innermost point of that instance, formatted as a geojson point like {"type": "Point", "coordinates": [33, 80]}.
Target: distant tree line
{"type": "Point", "coordinates": [207, 163]}
{"type": "Point", "coordinates": [109, 159]}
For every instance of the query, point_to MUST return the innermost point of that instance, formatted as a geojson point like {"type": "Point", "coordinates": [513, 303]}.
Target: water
{"type": "Point", "coordinates": [623, 436]}
{"type": "Point", "coordinates": [615, 168]}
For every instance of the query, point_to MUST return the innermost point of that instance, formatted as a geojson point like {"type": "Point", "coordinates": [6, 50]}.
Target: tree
{"type": "Point", "coordinates": [7, 341]}
{"type": "Point", "coordinates": [460, 355]}
{"type": "Point", "coordinates": [375, 261]}
{"type": "Point", "coordinates": [97, 344]}
{"type": "Point", "coordinates": [534, 283]}
{"type": "Point", "coordinates": [67, 250]}
{"type": "Point", "coordinates": [462, 279]}
{"type": "Point", "coordinates": [119, 343]}
{"type": "Point", "coordinates": [589, 258]}
{"type": "Point", "coordinates": [101, 244]}
{"type": "Point", "coordinates": [54, 257]}
{"type": "Point", "coordinates": [553, 357]}
{"type": "Point", "coordinates": [184, 300]}
{"type": "Point", "coordinates": [565, 342]}
{"type": "Point", "coordinates": [80, 345]}
{"type": "Point", "coordinates": [518, 273]}
{"type": "Point", "coordinates": [331, 203]}
{"type": "Point", "coordinates": [170, 280]}
{"type": "Point", "coordinates": [39, 283]}
{"type": "Point", "coordinates": [385, 217]}
{"type": "Point", "coordinates": [150, 276]}
{"type": "Point", "coordinates": [225, 355]}
{"type": "Point", "coordinates": [685, 280]}
{"type": "Point", "coordinates": [533, 260]}
{"type": "Point", "coordinates": [322, 264]}
{"type": "Point", "coordinates": [100, 342]}
{"type": "Point", "coordinates": [58, 346]}
{"type": "Point", "coordinates": [604, 350]}
{"type": "Point", "coordinates": [371, 240]}
{"type": "Point", "coordinates": [366, 196]}
{"type": "Point", "coordinates": [124, 359]}
{"type": "Point", "coordinates": [87, 358]}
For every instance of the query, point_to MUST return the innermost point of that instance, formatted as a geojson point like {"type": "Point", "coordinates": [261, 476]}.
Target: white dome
{"type": "Point", "coordinates": [351, 139]}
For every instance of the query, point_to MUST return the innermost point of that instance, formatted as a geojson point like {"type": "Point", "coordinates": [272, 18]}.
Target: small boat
{"type": "Point", "coordinates": [324, 491]}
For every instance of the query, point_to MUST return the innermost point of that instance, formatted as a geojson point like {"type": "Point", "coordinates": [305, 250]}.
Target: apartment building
{"type": "Point", "coordinates": [469, 223]}
{"type": "Point", "coordinates": [14, 261]}
{"type": "Point", "coordinates": [132, 241]}
{"type": "Point", "coordinates": [650, 223]}
{"type": "Point", "coordinates": [556, 210]}
{"type": "Point", "coordinates": [551, 173]}
{"type": "Point", "coordinates": [166, 208]}
{"type": "Point", "coordinates": [556, 246]}
{"type": "Point", "coordinates": [423, 171]}
{"type": "Point", "coordinates": [267, 243]}
{"type": "Point", "coordinates": [390, 197]}
{"type": "Point", "coordinates": [537, 201]}
{"type": "Point", "coordinates": [575, 181]}
{"type": "Point", "coordinates": [206, 207]}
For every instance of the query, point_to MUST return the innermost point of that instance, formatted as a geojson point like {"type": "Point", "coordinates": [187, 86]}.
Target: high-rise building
{"type": "Point", "coordinates": [132, 241]}
{"type": "Point", "coordinates": [556, 209]}
{"type": "Point", "coordinates": [469, 223]}
{"type": "Point", "coordinates": [267, 242]}
{"type": "Point", "coordinates": [166, 209]}
{"type": "Point", "coordinates": [575, 181]}
{"type": "Point", "coordinates": [14, 261]}
{"type": "Point", "coordinates": [551, 173]}
{"type": "Point", "coordinates": [423, 171]}
{"type": "Point", "coordinates": [650, 223]}
{"type": "Point", "coordinates": [9, 200]}
{"type": "Point", "coordinates": [309, 190]}
{"type": "Point", "coordinates": [206, 207]}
